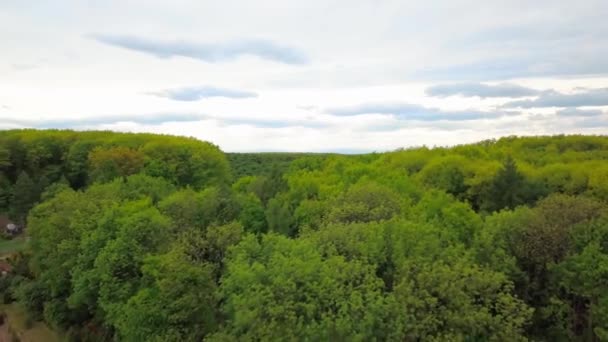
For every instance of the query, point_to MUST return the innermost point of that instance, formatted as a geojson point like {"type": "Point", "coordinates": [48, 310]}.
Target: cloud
{"type": "Point", "coordinates": [307, 107]}
{"type": "Point", "coordinates": [208, 52]}
{"type": "Point", "coordinates": [150, 119]}
{"type": "Point", "coordinates": [592, 122]}
{"type": "Point", "coordinates": [23, 66]}
{"type": "Point", "coordinates": [501, 68]}
{"type": "Point", "coordinates": [416, 112]}
{"type": "Point", "coordinates": [162, 118]}
{"type": "Point", "coordinates": [548, 43]}
{"type": "Point", "coordinates": [540, 65]}
{"type": "Point", "coordinates": [470, 89]}
{"type": "Point", "coordinates": [574, 112]}
{"type": "Point", "coordinates": [590, 97]}
{"type": "Point", "coordinates": [13, 122]}
{"type": "Point", "coordinates": [267, 123]}
{"type": "Point", "coordinates": [202, 92]}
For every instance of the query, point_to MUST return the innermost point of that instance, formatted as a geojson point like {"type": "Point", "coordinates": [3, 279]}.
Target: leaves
{"type": "Point", "coordinates": [141, 237]}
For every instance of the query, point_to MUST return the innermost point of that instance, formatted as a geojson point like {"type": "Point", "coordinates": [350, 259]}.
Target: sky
{"type": "Point", "coordinates": [318, 75]}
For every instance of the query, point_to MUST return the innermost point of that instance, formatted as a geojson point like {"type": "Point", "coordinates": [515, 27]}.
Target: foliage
{"type": "Point", "coordinates": [283, 289]}
{"type": "Point", "coordinates": [107, 164]}
{"type": "Point", "coordinates": [142, 237]}
{"type": "Point", "coordinates": [25, 194]}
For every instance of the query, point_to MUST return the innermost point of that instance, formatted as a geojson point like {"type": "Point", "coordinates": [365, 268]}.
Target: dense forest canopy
{"type": "Point", "coordinates": [142, 237]}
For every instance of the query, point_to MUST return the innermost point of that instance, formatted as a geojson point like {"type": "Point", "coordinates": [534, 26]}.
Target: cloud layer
{"type": "Point", "coordinates": [147, 119]}
{"type": "Point", "coordinates": [406, 111]}
{"type": "Point", "coordinates": [578, 112]}
{"type": "Point", "coordinates": [208, 52]}
{"type": "Point", "coordinates": [587, 97]}
{"type": "Point", "coordinates": [160, 119]}
{"type": "Point", "coordinates": [482, 90]}
{"type": "Point", "coordinates": [202, 92]}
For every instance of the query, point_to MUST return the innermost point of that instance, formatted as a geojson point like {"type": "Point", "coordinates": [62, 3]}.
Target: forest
{"type": "Point", "coordinates": [143, 237]}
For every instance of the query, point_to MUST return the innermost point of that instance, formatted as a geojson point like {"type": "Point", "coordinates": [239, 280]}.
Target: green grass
{"type": "Point", "coordinates": [12, 246]}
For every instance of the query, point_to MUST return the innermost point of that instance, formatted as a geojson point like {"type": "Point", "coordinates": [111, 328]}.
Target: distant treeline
{"type": "Point", "coordinates": [264, 163]}
{"type": "Point", "coordinates": [141, 237]}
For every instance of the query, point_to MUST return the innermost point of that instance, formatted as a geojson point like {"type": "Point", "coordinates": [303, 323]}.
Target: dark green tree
{"type": "Point", "coordinates": [252, 214]}
{"type": "Point", "coordinates": [25, 194]}
{"type": "Point", "coordinates": [279, 217]}
{"type": "Point", "coordinates": [177, 304]}
{"type": "Point", "coordinates": [506, 190]}
{"type": "Point", "coordinates": [5, 158]}
{"type": "Point", "coordinates": [6, 191]}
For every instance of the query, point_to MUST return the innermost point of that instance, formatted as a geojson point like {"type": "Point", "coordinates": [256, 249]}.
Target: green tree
{"type": "Point", "coordinates": [365, 202]}
{"type": "Point", "coordinates": [141, 230]}
{"type": "Point", "coordinates": [527, 243]}
{"type": "Point", "coordinates": [447, 174]}
{"type": "Point", "coordinates": [77, 163]}
{"type": "Point", "coordinates": [6, 192]}
{"type": "Point", "coordinates": [177, 304]}
{"type": "Point", "coordinates": [583, 275]}
{"type": "Point", "coordinates": [185, 208]}
{"type": "Point", "coordinates": [107, 164]}
{"type": "Point", "coordinates": [252, 214]}
{"type": "Point", "coordinates": [5, 160]}
{"type": "Point", "coordinates": [510, 188]}
{"type": "Point", "coordinates": [506, 187]}
{"type": "Point", "coordinates": [25, 194]}
{"type": "Point", "coordinates": [282, 289]}
{"type": "Point", "coordinates": [455, 301]}
{"type": "Point", "coordinates": [445, 211]}
{"type": "Point", "coordinates": [279, 217]}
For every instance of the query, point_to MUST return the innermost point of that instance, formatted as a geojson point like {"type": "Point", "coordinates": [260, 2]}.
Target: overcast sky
{"type": "Point", "coordinates": [316, 75]}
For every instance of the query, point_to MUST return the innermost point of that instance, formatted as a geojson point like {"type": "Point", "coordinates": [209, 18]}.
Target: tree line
{"type": "Point", "coordinates": [141, 237]}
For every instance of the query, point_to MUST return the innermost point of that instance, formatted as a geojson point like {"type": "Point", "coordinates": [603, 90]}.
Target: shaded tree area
{"type": "Point", "coordinates": [262, 164]}
{"type": "Point", "coordinates": [509, 188]}
{"type": "Point", "coordinates": [150, 238]}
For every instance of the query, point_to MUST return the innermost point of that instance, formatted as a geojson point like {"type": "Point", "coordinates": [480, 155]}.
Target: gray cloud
{"type": "Point", "coordinates": [150, 119]}
{"type": "Point", "coordinates": [208, 52]}
{"type": "Point", "coordinates": [517, 66]}
{"type": "Point", "coordinates": [590, 97]}
{"type": "Point", "coordinates": [264, 123]}
{"type": "Point", "coordinates": [201, 92]}
{"type": "Point", "coordinates": [574, 112]}
{"type": "Point", "coordinates": [24, 67]}
{"type": "Point", "coordinates": [593, 122]}
{"type": "Point", "coordinates": [557, 45]}
{"type": "Point", "coordinates": [307, 107]}
{"type": "Point", "coordinates": [442, 125]}
{"type": "Point", "coordinates": [549, 43]}
{"type": "Point", "coordinates": [159, 118]}
{"type": "Point", "coordinates": [12, 122]}
{"type": "Point", "coordinates": [416, 112]}
{"type": "Point", "coordinates": [470, 89]}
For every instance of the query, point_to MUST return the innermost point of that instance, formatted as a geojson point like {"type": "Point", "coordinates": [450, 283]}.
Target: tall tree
{"type": "Point", "coordinates": [279, 217]}
{"type": "Point", "coordinates": [6, 192]}
{"type": "Point", "coordinates": [4, 158]}
{"type": "Point", "coordinates": [25, 194]}
{"type": "Point", "coordinates": [506, 188]}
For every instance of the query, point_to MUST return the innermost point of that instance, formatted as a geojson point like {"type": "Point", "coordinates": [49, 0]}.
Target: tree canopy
{"type": "Point", "coordinates": [142, 237]}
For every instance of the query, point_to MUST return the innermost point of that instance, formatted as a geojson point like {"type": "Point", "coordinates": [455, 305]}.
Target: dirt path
{"type": "Point", "coordinates": [5, 336]}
